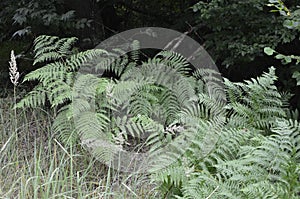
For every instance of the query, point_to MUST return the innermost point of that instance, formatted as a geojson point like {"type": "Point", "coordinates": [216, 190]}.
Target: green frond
{"type": "Point", "coordinates": [35, 98]}
{"type": "Point", "coordinates": [134, 53]}
{"type": "Point", "coordinates": [44, 41]}
{"type": "Point", "coordinates": [82, 59]}
{"type": "Point", "coordinates": [174, 175]}
{"type": "Point", "coordinates": [255, 103]}
{"type": "Point", "coordinates": [59, 93]}
{"type": "Point", "coordinates": [53, 71]}
{"type": "Point", "coordinates": [174, 60]}
{"type": "Point", "coordinates": [63, 127]}
{"type": "Point", "coordinates": [115, 62]}
{"type": "Point", "coordinates": [49, 48]}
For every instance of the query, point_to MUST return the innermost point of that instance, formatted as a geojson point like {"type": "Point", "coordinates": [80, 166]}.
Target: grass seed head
{"type": "Point", "coordinates": [13, 69]}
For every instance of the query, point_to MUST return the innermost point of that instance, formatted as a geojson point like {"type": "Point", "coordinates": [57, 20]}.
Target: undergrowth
{"type": "Point", "coordinates": [37, 165]}
{"type": "Point", "coordinates": [199, 145]}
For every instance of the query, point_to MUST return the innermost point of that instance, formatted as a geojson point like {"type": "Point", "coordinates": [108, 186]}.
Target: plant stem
{"type": "Point", "coordinates": [15, 114]}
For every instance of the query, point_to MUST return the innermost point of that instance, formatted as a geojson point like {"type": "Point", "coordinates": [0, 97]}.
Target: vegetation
{"type": "Point", "coordinates": [94, 123]}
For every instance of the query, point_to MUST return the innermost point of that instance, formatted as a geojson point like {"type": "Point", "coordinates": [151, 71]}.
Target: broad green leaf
{"type": "Point", "coordinates": [287, 59]}
{"type": "Point", "coordinates": [269, 51]}
{"type": "Point", "coordinates": [296, 75]}
{"type": "Point", "coordinates": [280, 56]}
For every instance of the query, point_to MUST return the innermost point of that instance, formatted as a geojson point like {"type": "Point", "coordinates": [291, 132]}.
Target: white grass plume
{"type": "Point", "coordinates": [13, 69]}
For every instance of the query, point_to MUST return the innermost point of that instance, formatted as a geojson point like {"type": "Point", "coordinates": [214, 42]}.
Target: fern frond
{"type": "Point", "coordinates": [82, 59]}
{"type": "Point", "coordinates": [35, 98]}
{"type": "Point", "coordinates": [134, 54]}
{"type": "Point", "coordinates": [63, 127]}
{"type": "Point", "coordinates": [174, 60]}
{"type": "Point", "coordinates": [49, 48]}
{"type": "Point", "coordinates": [256, 102]}
{"type": "Point", "coordinates": [50, 71]}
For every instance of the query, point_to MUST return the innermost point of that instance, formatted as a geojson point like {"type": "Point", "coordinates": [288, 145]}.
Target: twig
{"type": "Point", "coordinates": [210, 195]}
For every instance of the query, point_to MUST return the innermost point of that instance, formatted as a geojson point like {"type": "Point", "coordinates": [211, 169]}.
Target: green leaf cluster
{"type": "Point", "coordinates": [235, 32]}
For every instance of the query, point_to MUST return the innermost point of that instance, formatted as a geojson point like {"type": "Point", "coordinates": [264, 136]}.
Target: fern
{"type": "Point", "coordinates": [152, 94]}
{"type": "Point", "coordinates": [199, 145]}
{"type": "Point", "coordinates": [48, 48]}
{"type": "Point", "coordinates": [255, 152]}
{"type": "Point", "coordinates": [255, 103]}
{"type": "Point", "coordinates": [269, 170]}
{"type": "Point", "coordinates": [55, 77]}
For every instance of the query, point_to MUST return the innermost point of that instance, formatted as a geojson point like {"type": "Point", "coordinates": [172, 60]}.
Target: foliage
{"type": "Point", "coordinates": [286, 59]}
{"type": "Point", "coordinates": [35, 14]}
{"type": "Point", "coordinates": [54, 78]}
{"type": "Point", "coordinates": [34, 17]}
{"type": "Point", "coordinates": [5, 18]}
{"type": "Point", "coordinates": [244, 163]}
{"type": "Point", "coordinates": [266, 168]}
{"type": "Point", "coordinates": [237, 31]}
{"type": "Point", "coordinates": [291, 16]}
{"type": "Point", "coordinates": [93, 20]}
{"type": "Point", "coordinates": [151, 96]}
{"type": "Point", "coordinates": [291, 21]}
{"type": "Point", "coordinates": [198, 145]}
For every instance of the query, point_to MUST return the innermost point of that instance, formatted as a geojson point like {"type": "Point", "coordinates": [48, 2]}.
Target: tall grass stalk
{"type": "Point", "coordinates": [14, 78]}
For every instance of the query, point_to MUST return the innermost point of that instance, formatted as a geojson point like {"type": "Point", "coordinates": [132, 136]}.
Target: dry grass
{"type": "Point", "coordinates": [37, 165]}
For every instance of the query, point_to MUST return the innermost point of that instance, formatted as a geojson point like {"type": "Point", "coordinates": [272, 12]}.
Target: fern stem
{"type": "Point", "coordinates": [212, 193]}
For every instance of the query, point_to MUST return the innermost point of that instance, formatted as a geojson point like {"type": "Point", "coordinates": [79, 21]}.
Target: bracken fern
{"type": "Point", "coordinates": [199, 145]}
